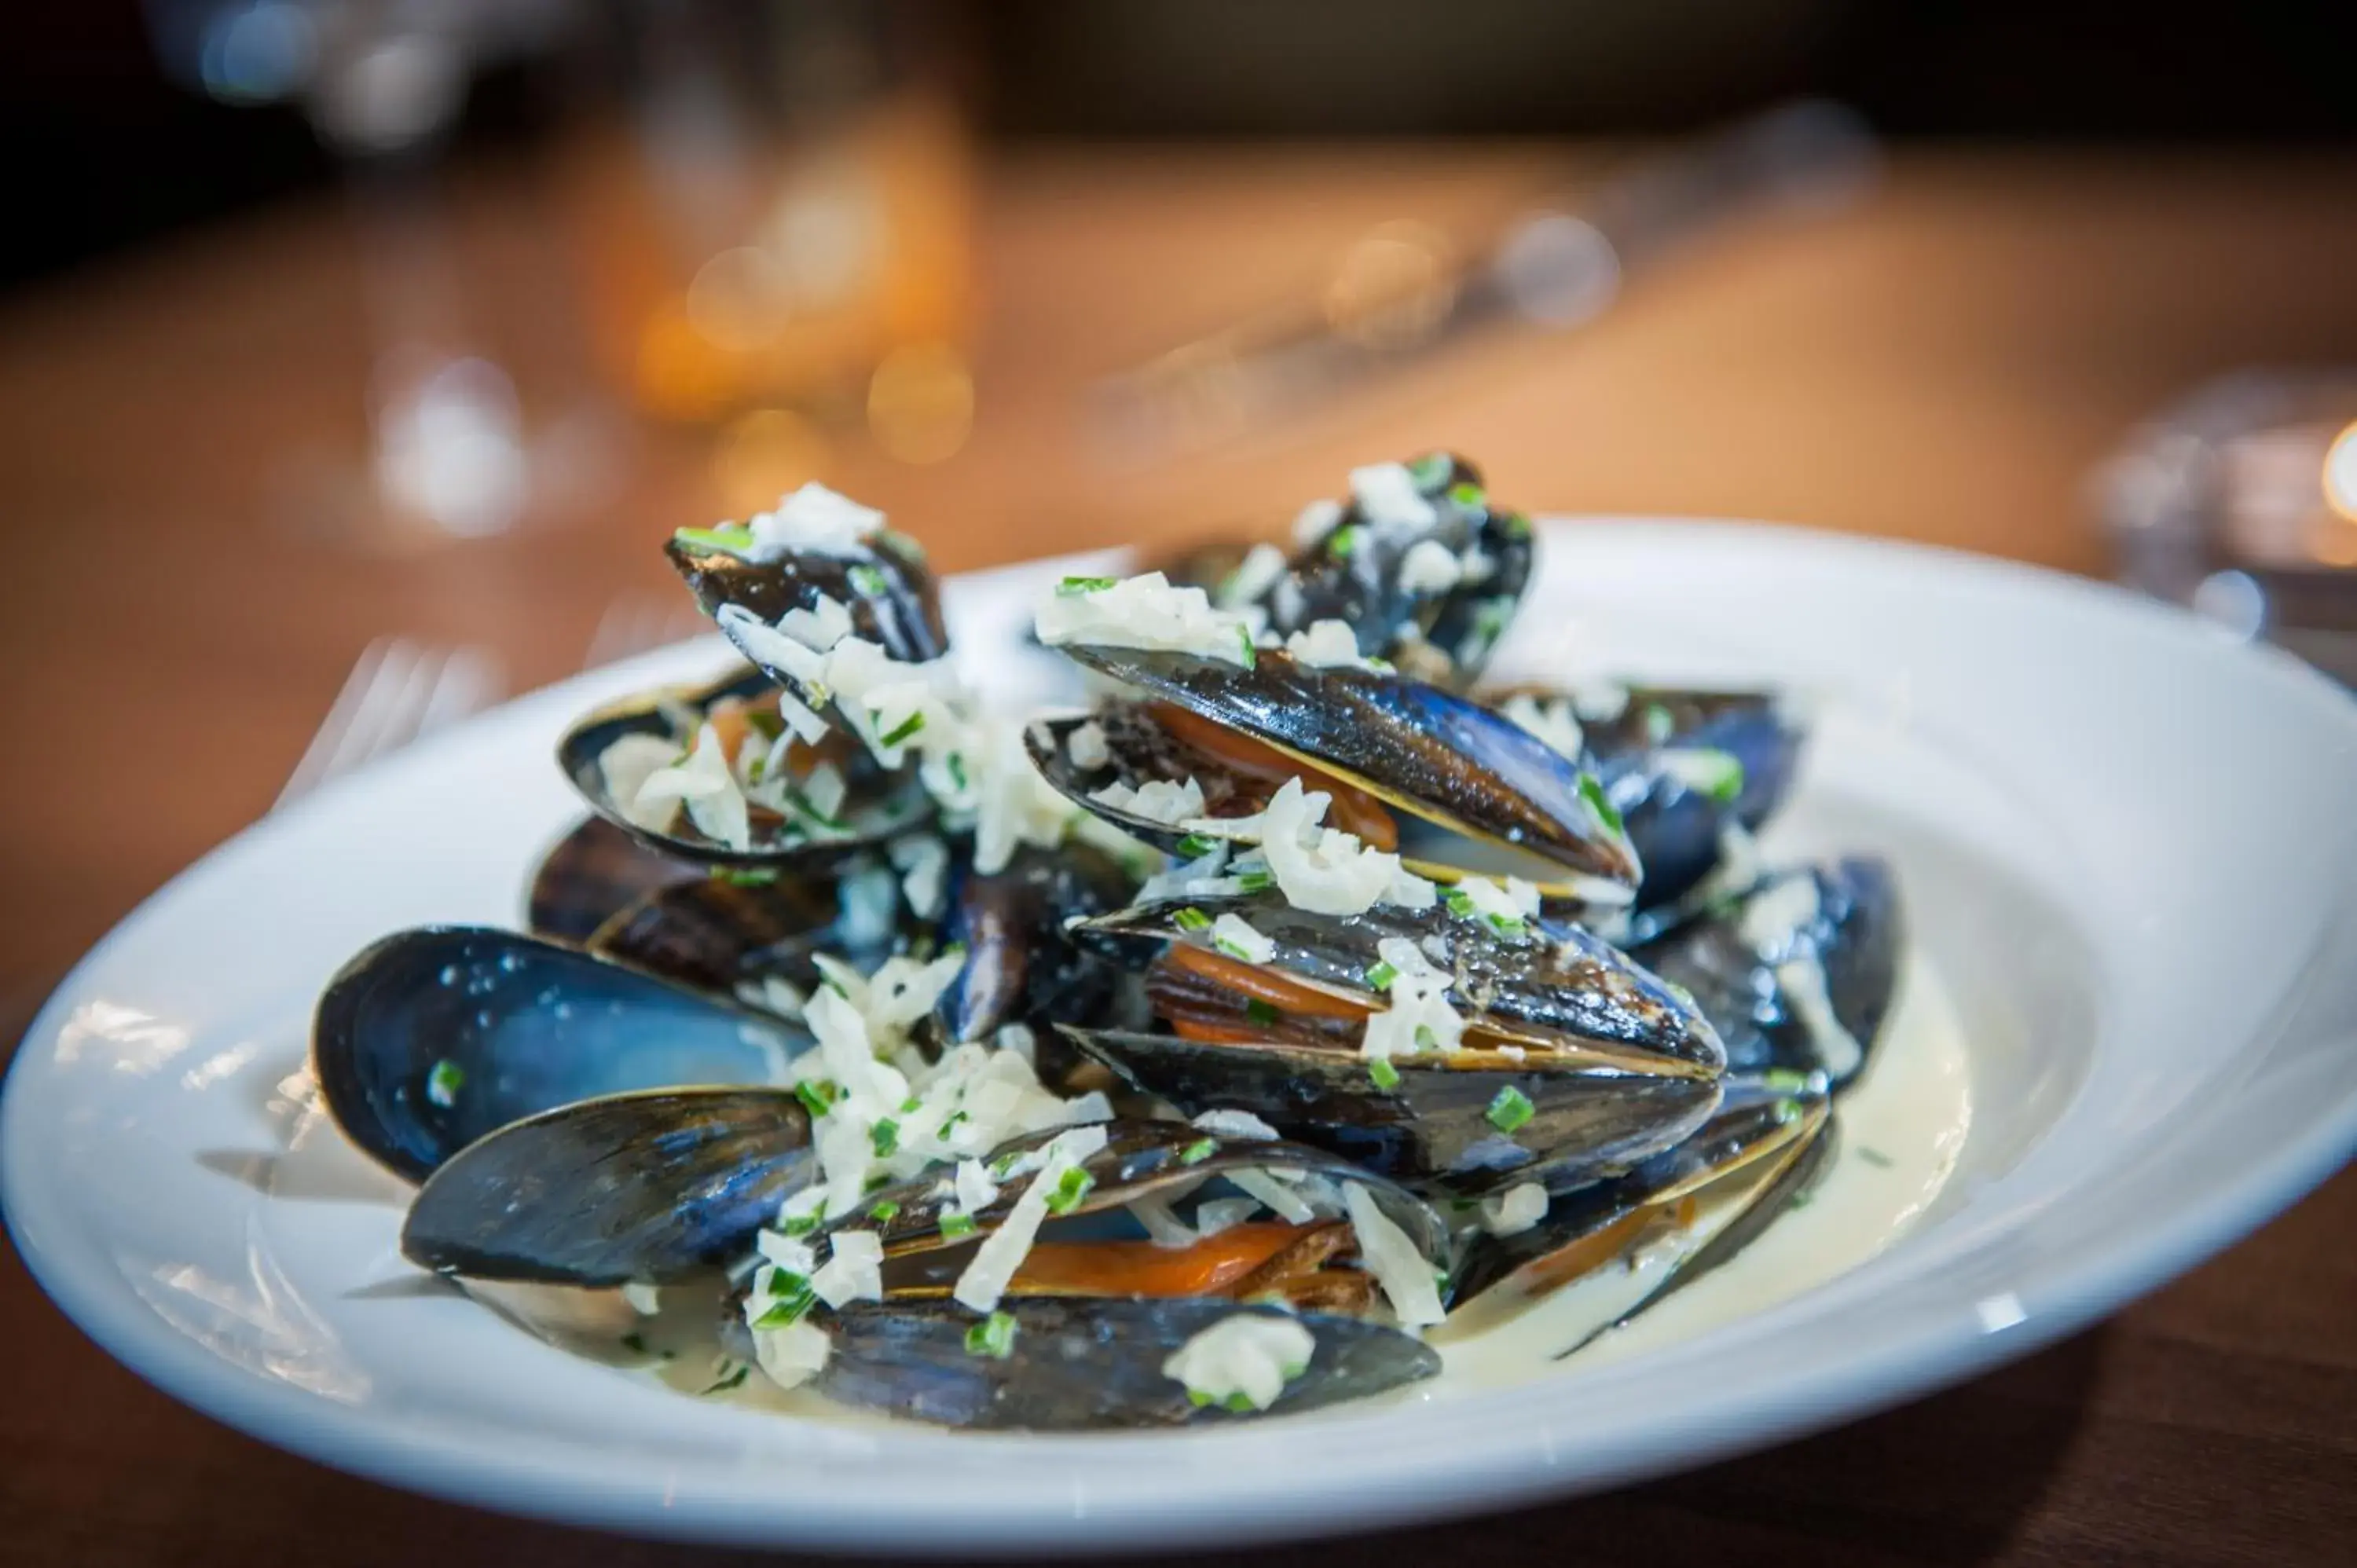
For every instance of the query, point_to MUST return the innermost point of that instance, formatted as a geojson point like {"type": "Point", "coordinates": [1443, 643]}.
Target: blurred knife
{"type": "Point", "coordinates": [1399, 298]}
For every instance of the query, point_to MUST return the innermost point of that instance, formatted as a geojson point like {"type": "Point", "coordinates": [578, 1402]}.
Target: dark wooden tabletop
{"type": "Point", "coordinates": [1946, 363]}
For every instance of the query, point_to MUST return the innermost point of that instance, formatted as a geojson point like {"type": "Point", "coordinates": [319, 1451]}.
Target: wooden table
{"type": "Point", "coordinates": [1945, 364]}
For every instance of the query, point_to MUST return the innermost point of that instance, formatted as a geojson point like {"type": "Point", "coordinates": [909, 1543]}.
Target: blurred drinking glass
{"type": "Point", "coordinates": [2241, 502]}
{"type": "Point", "coordinates": [774, 220]}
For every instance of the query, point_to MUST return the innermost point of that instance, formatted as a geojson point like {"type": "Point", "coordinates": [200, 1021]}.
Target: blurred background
{"type": "Point", "coordinates": [355, 355]}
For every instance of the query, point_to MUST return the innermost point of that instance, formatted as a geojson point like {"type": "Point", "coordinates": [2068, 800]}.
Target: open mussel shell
{"type": "Point", "coordinates": [1436, 1121]}
{"type": "Point", "coordinates": [886, 586]}
{"type": "Point", "coordinates": [1021, 962]}
{"type": "Point", "coordinates": [1552, 988]}
{"type": "Point", "coordinates": [877, 805]}
{"type": "Point", "coordinates": [593, 874]}
{"type": "Point", "coordinates": [1079, 1364]}
{"type": "Point", "coordinates": [1800, 973]}
{"type": "Point", "coordinates": [1140, 1159]}
{"type": "Point", "coordinates": [733, 932]}
{"type": "Point", "coordinates": [1677, 825]}
{"type": "Point", "coordinates": [1437, 756]}
{"type": "Point", "coordinates": [650, 1187]}
{"type": "Point", "coordinates": [431, 1038]}
{"type": "Point", "coordinates": [1625, 1243]}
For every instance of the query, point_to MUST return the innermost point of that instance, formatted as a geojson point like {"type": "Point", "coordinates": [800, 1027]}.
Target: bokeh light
{"type": "Point", "coordinates": [760, 456]}
{"type": "Point", "coordinates": [921, 403]}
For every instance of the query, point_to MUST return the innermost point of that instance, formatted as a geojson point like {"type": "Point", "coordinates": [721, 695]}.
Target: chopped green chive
{"type": "Point", "coordinates": [1263, 1014]}
{"type": "Point", "coordinates": [1788, 1111]}
{"type": "Point", "coordinates": [955, 1225]}
{"type": "Point", "coordinates": [883, 1138]}
{"type": "Point", "coordinates": [745, 875]}
{"type": "Point", "coordinates": [884, 1211]}
{"type": "Point", "coordinates": [900, 544]}
{"type": "Point", "coordinates": [1343, 541]}
{"type": "Point", "coordinates": [444, 1082]}
{"type": "Point", "coordinates": [1460, 902]}
{"type": "Point", "coordinates": [799, 1224]}
{"type": "Point", "coordinates": [867, 580]}
{"type": "Point", "coordinates": [1191, 919]}
{"type": "Point", "coordinates": [1257, 881]}
{"type": "Point", "coordinates": [1874, 1156]}
{"type": "Point", "coordinates": [993, 1336]}
{"type": "Point", "coordinates": [1074, 587]}
{"type": "Point", "coordinates": [1196, 1153]}
{"type": "Point", "coordinates": [1070, 1187]}
{"type": "Point", "coordinates": [956, 765]}
{"type": "Point", "coordinates": [765, 723]}
{"type": "Point", "coordinates": [816, 1094]}
{"type": "Point", "coordinates": [910, 1104]}
{"type": "Point", "coordinates": [1380, 666]}
{"type": "Point", "coordinates": [1385, 1075]}
{"type": "Point", "coordinates": [1251, 654]}
{"type": "Point", "coordinates": [1470, 496]}
{"type": "Point", "coordinates": [1430, 470]}
{"type": "Point", "coordinates": [905, 728]}
{"type": "Point", "coordinates": [1660, 723]}
{"type": "Point", "coordinates": [878, 1182]}
{"type": "Point", "coordinates": [733, 539]}
{"type": "Point", "coordinates": [1517, 526]}
{"type": "Point", "coordinates": [1194, 846]}
{"type": "Point", "coordinates": [634, 1342]}
{"type": "Point", "coordinates": [1591, 790]}
{"type": "Point", "coordinates": [735, 1380]}
{"type": "Point", "coordinates": [1380, 978]}
{"type": "Point", "coordinates": [791, 1296]}
{"type": "Point", "coordinates": [1799, 1200]}
{"type": "Point", "coordinates": [1233, 949]}
{"type": "Point", "coordinates": [1241, 1402]}
{"type": "Point", "coordinates": [1508, 925]}
{"type": "Point", "coordinates": [1510, 1109]}
{"type": "Point", "coordinates": [1426, 1040]}
{"type": "Point", "coordinates": [1786, 1079]}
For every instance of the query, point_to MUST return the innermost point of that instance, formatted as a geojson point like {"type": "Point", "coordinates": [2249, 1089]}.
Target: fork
{"type": "Point", "coordinates": [634, 623]}
{"type": "Point", "coordinates": [398, 692]}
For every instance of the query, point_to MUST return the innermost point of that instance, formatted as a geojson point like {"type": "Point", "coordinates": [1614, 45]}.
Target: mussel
{"type": "Point", "coordinates": [750, 792]}
{"type": "Point", "coordinates": [1574, 1060]}
{"type": "Point", "coordinates": [1619, 1246]}
{"type": "Point", "coordinates": [1799, 974]}
{"type": "Point", "coordinates": [430, 1039]}
{"type": "Point", "coordinates": [593, 874]}
{"type": "Point", "coordinates": [1371, 739]}
{"type": "Point", "coordinates": [821, 548]}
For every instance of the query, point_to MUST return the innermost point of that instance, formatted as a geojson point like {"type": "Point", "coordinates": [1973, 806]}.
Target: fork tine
{"type": "Point", "coordinates": [357, 696]}
{"type": "Point", "coordinates": [407, 708]}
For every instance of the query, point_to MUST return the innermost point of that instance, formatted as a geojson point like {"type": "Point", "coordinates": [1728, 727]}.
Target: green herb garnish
{"type": "Point", "coordinates": [1510, 1109]}
{"type": "Point", "coordinates": [730, 538]}
{"type": "Point", "coordinates": [1196, 1153]}
{"type": "Point", "coordinates": [993, 1336]}
{"type": "Point", "coordinates": [1233, 949]}
{"type": "Point", "coordinates": [1194, 846]}
{"type": "Point", "coordinates": [884, 1211]}
{"type": "Point", "coordinates": [1074, 587]}
{"type": "Point", "coordinates": [1786, 1079]}
{"type": "Point", "coordinates": [867, 580]}
{"type": "Point", "coordinates": [765, 723]}
{"type": "Point", "coordinates": [1385, 1075]}
{"type": "Point", "coordinates": [799, 1224]}
{"type": "Point", "coordinates": [1251, 654]}
{"type": "Point", "coordinates": [1516, 525]}
{"type": "Point", "coordinates": [791, 1296]}
{"type": "Point", "coordinates": [955, 1226]}
{"type": "Point", "coordinates": [1380, 978]}
{"type": "Point", "coordinates": [1471, 497]}
{"type": "Point", "coordinates": [1257, 881]}
{"type": "Point", "coordinates": [816, 1094]}
{"type": "Point", "coordinates": [1070, 1187]}
{"type": "Point", "coordinates": [1430, 470]}
{"type": "Point", "coordinates": [1660, 723]}
{"type": "Point", "coordinates": [884, 1137]}
{"type": "Point", "coordinates": [444, 1082]}
{"type": "Point", "coordinates": [905, 728]}
{"type": "Point", "coordinates": [1263, 1013]}
{"type": "Point", "coordinates": [1591, 790]}
{"type": "Point", "coordinates": [735, 1380]}
{"type": "Point", "coordinates": [1874, 1156]}
{"type": "Point", "coordinates": [955, 763]}
{"type": "Point", "coordinates": [1460, 902]}
{"type": "Point", "coordinates": [1191, 919]}
{"type": "Point", "coordinates": [745, 875]}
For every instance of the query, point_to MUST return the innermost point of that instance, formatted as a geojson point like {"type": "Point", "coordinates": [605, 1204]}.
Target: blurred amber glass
{"type": "Point", "coordinates": [840, 255]}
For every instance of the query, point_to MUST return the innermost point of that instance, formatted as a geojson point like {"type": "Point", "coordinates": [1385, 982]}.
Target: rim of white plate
{"type": "Point", "coordinates": [1339, 1470]}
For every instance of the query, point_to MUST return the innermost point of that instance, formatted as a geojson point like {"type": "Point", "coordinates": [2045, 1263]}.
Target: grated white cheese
{"type": "Point", "coordinates": [854, 1270]}
{"type": "Point", "coordinates": [707, 785]}
{"type": "Point", "coordinates": [1243, 1361]}
{"type": "Point", "coordinates": [1511, 900]}
{"type": "Point", "coordinates": [1514, 1210]}
{"type": "Point", "coordinates": [1086, 747]}
{"type": "Point", "coordinates": [1399, 1267]}
{"type": "Point", "coordinates": [1236, 937]}
{"type": "Point", "coordinates": [646, 1300]}
{"type": "Point", "coordinates": [813, 519]}
{"type": "Point", "coordinates": [1214, 1215]}
{"type": "Point", "coordinates": [975, 1189]}
{"type": "Point", "coordinates": [626, 765]}
{"type": "Point", "coordinates": [1164, 1228]}
{"type": "Point", "coordinates": [1156, 801]}
{"type": "Point", "coordinates": [1600, 702]}
{"type": "Point", "coordinates": [1552, 721]}
{"type": "Point", "coordinates": [924, 861]}
{"type": "Point", "coordinates": [1430, 567]}
{"type": "Point", "coordinates": [1235, 1124]}
{"type": "Point", "coordinates": [1146, 613]}
{"type": "Point", "coordinates": [1254, 576]}
{"type": "Point", "coordinates": [995, 1262]}
{"type": "Point", "coordinates": [1315, 522]}
{"type": "Point", "coordinates": [793, 1355]}
{"type": "Point", "coordinates": [1420, 1018]}
{"type": "Point", "coordinates": [1323, 870]}
{"type": "Point", "coordinates": [1776, 915]}
{"type": "Point", "coordinates": [1265, 1187]}
{"type": "Point", "coordinates": [1388, 497]}
{"type": "Point", "coordinates": [1326, 645]}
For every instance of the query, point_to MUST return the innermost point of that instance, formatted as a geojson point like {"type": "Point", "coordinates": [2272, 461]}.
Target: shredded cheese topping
{"type": "Point", "coordinates": [1243, 1362]}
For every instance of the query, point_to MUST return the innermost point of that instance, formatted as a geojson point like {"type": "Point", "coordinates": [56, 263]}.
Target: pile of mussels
{"type": "Point", "coordinates": [1180, 1060]}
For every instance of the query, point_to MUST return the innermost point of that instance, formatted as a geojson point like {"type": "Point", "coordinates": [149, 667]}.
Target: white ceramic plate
{"type": "Point", "coordinates": [2126, 846]}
